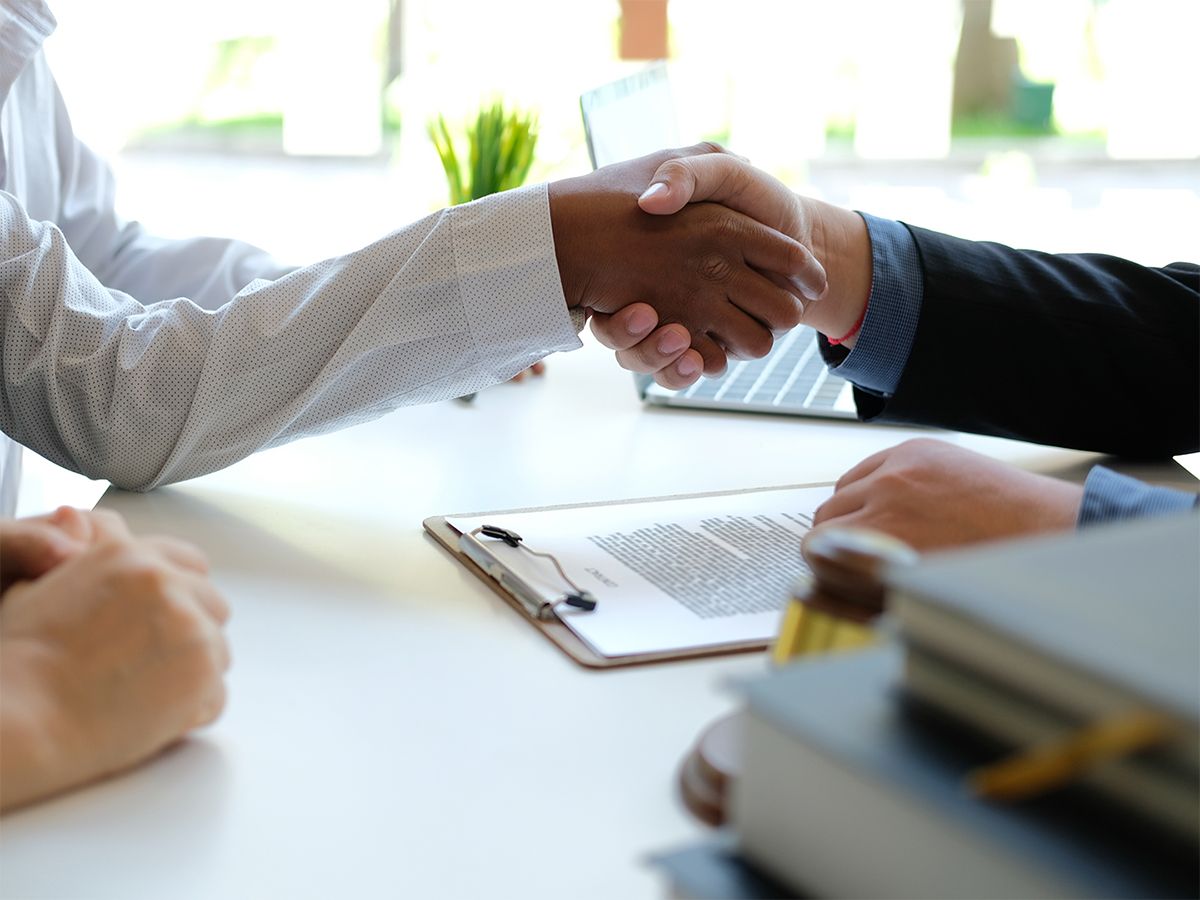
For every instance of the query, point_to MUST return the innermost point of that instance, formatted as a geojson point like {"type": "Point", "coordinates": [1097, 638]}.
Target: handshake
{"type": "Point", "coordinates": [685, 258]}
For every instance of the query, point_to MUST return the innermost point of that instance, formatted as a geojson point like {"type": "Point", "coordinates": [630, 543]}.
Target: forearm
{"type": "Point", "coordinates": [207, 270]}
{"type": "Point", "coordinates": [145, 395]}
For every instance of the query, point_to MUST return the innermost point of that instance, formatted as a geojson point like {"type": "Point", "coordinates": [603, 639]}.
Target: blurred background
{"type": "Point", "coordinates": [1063, 125]}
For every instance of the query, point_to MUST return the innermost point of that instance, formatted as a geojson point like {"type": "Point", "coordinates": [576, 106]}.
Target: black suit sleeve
{"type": "Point", "coordinates": [1075, 350]}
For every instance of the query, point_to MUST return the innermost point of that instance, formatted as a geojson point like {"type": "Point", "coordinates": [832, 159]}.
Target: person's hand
{"type": "Point", "coordinates": [933, 495]}
{"type": "Point", "coordinates": [837, 237]}
{"type": "Point", "coordinates": [642, 346]}
{"type": "Point", "coordinates": [32, 546]}
{"type": "Point", "coordinates": [701, 268]}
{"type": "Point", "coordinates": [106, 659]}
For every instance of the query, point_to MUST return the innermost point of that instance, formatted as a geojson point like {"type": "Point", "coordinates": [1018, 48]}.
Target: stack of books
{"type": "Point", "coordinates": [1094, 664]}
{"type": "Point", "coordinates": [1033, 730]}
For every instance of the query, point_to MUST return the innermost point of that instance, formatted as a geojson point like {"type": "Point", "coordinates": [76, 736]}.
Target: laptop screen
{"type": "Point", "coordinates": [630, 117]}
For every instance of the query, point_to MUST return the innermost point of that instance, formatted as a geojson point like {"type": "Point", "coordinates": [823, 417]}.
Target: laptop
{"type": "Point", "coordinates": [634, 116]}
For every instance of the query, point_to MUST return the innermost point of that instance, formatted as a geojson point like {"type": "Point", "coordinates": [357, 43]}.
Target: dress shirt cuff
{"type": "Point", "coordinates": [508, 275]}
{"type": "Point", "coordinates": [1109, 497]}
{"type": "Point", "coordinates": [893, 309]}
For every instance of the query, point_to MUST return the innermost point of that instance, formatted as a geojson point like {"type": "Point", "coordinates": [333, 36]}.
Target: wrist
{"type": "Point", "coordinates": [843, 247]}
{"type": "Point", "coordinates": [1062, 500]}
{"type": "Point", "coordinates": [566, 234]}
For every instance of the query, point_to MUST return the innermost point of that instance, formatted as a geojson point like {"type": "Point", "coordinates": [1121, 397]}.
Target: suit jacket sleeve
{"type": "Point", "coordinates": [1075, 350]}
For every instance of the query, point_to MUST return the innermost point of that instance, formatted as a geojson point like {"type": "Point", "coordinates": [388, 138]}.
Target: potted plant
{"type": "Point", "coordinates": [499, 152]}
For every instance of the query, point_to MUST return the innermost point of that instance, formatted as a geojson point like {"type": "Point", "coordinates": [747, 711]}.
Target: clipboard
{"type": "Point", "coordinates": [553, 628]}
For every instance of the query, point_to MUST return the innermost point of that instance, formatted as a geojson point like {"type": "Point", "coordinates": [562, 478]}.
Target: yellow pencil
{"type": "Point", "coordinates": [1042, 768]}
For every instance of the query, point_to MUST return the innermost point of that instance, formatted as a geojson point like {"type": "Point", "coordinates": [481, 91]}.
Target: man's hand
{"type": "Point", "coordinates": [642, 346]}
{"type": "Point", "coordinates": [110, 656]}
{"type": "Point", "coordinates": [702, 267]}
{"type": "Point", "coordinates": [837, 238]}
{"type": "Point", "coordinates": [31, 547]}
{"type": "Point", "coordinates": [933, 495]}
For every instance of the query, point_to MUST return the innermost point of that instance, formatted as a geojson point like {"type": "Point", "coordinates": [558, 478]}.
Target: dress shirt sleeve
{"type": "Point", "coordinates": [1108, 497]}
{"type": "Point", "coordinates": [143, 394]}
{"type": "Point", "coordinates": [893, 309]}
{"type": "Point", "coordinates": [123, 255]}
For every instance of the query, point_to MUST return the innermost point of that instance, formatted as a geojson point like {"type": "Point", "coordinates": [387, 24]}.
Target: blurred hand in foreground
{"type": "Point", "coordinates": [113, 652]}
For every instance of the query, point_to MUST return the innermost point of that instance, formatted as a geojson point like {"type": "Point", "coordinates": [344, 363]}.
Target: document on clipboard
{"type": "Point", "coordinates": [670, 577]}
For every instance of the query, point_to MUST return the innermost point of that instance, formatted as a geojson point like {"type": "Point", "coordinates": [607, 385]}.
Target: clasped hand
{"type": "Point", "coordinates": [719, 277]}
{"type": "Point", "coordinates": [112, 649]}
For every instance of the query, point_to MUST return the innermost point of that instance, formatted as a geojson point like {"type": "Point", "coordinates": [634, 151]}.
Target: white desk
{"type": "Point", "coordinates": [393, 728]}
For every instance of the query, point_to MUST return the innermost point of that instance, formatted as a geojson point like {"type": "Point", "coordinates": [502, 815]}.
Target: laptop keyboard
{"type": "Point", "coordinates": [791, 376]}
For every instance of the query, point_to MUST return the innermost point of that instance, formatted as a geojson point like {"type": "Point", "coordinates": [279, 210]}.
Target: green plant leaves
{"type": "Point", "coordinates": [500, 147]}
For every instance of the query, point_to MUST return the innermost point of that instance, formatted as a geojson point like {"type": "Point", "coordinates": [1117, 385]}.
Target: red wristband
{"type": "Point", "coordinates": [853, 331]}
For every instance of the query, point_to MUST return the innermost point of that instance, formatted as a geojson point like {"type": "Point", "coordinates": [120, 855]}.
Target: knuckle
{"type": "Point", "coordinates": [890, 482]}
{"type": "Point", "coordinates": [113, 552]}
{"type": "Point", "coordinates": [179, 620]}
{"type": "Point", "coordinates": [715, 268]}
{"type": "Point", "coordinates": [674, 168]}
{"type": "Point", "coordinates": [147, 576]}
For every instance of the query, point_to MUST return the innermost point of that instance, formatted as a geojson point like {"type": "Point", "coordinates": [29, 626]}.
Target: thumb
{"type": "Point", "coordinates": [674, 185]}
{"type": "Point", "coordinates": [721, 178]}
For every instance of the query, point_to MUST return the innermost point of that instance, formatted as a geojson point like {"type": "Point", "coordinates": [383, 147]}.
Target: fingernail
{"type": "Point", "coordinates": [640, 321]}
{"type": "Point", "coordinates": [654, 190]}
{"type": "Point", "coordinates": [687, 367]}
{"type": "Point", "coordinates": [672, 342]}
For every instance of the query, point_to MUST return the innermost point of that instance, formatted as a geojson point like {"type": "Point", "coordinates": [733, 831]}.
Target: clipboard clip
{"type": "Point", "coordinates": [507, 535]}
{"type": "Point", "coordinates": [534, 603]}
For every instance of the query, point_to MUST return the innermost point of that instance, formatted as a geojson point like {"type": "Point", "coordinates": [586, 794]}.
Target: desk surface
{"type": "Point", "coordinates": [393, 728]}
